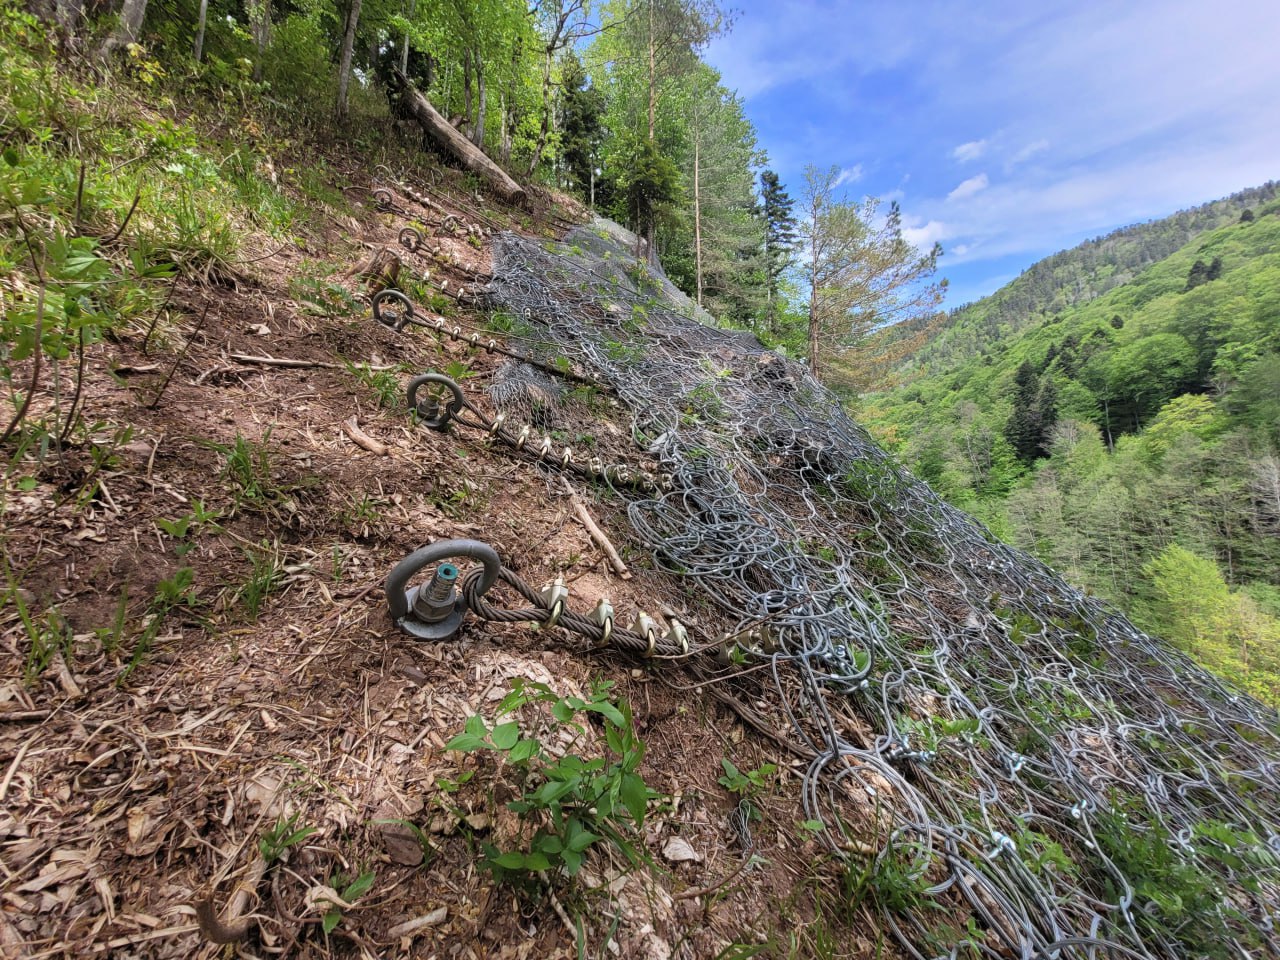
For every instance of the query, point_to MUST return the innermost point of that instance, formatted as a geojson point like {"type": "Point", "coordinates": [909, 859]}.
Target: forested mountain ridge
{"type": "Point", "coordinates": [1072, 277]}
{"type": "Point", "coordinates": [1130, 440]}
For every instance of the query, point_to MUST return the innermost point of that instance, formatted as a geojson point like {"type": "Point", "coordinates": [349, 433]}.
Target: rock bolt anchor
{"type": "Point", "coordinates": [434, 610]}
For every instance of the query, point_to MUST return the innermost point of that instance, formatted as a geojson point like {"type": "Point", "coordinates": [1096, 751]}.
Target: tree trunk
{"type": "Point", "coordinates": [344, 66]}
{"type": "Point", "coordinates": [198, 50]}
{"type": "Point", "coordinates": [261, 34]}
{"type": "Point", "coordinates": [813, 302]}
{"type": "Point", "coordinates": [545, 127]}
{"type": "Point", "coordinates": [404, 50]}
{"type": "Point", "coordinates": [477, 132]}
{"type": "Point", "coordinates": [653, 79]}
{"type": "Point", "coordinates": [697, 219]}
{"type": "Point", "coordinates": [452, 142]}
{"type": "Point", "coordinates": [127, 29]}
{"type": "Point", "coordinates": [466, 85]}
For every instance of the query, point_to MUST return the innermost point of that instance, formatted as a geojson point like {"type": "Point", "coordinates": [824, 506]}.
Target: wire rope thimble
{"type": "Point", "coordinates": [555, 595]}
{"type": "Point", "coordinates": [724, 652]}
{"type": "Point", "coordinates": [678, 635]}
{"type": "Point", "coordinates": [647, 627]}
{"type": "Point", "coordinates": [603, 615]}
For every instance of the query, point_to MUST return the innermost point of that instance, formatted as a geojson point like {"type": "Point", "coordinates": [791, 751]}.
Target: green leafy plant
{"type": "Point", "coordinates": [324, 298]}
{"type": "Point", "coordinates": [749, 784]}
{"type": "Point", "coordinates": [457, 370]}
{"type": "Point", "coordinates": [247, 468]}
{"type": "Point", "coordinates": [184, 529]}
{"type": "Point", "coordinates": [265, 577]}
{"type": "Point", "coordinates": [172, 593]}
{"type": "Point", "coordinates": [570, 802]}
{"type": "Point", "coordinates": [111, 637]}
{"type": "Point", "coordinates": [48, 636]}
{"type": "Point", "coordinates": [1177, 897]}
{"type": "Point", "coordinates": [348, 889]}
{"type": "Point", "coordinates": [285, 833]}
{"type": "Point", "coordinates": [382, 382]}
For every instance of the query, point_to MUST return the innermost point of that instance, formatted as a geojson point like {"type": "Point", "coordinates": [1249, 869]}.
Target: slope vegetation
{"type": "Point", "coordinates": [879, 732]}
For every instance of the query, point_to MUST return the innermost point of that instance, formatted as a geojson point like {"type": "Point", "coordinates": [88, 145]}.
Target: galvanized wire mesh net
{"type": "Point", "coordinates": [1010, 767]}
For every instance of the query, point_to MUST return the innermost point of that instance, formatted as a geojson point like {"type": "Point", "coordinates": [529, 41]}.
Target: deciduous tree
{"type": "Point", "coordinates": [863, 274]}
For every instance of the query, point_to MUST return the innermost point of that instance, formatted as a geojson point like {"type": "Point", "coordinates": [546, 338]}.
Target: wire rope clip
{"type": "Point", "coordinates": [647, 627]}
{"type": "Point", "coordinates": [393, 309]}
{"type": "Point", "coordinates": [433, 610]}
{"type": "Point", "coordinates": [555, 595]}
{"type": "Point", "coordinates": [678, 635]}
{"type": "Point", "coordinates": [603, 615]}
{"type": "Point", "coordinates": [441, 398]}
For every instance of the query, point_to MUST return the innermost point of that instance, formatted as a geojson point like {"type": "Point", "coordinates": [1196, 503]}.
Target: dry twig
{"type": "Point", "coordinates": [361, 439]}
{"type": "Point", "coordinates": [596, 533]}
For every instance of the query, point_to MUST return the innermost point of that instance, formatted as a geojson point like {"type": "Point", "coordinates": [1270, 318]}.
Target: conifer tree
{"type": "Point", "coordinates": [582, 112]}
{"type": "Point", "coordinates": [779, 241]}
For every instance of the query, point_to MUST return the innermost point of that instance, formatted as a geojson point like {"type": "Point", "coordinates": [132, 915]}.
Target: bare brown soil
{"type": "Point", "coordinates": [127, 802]}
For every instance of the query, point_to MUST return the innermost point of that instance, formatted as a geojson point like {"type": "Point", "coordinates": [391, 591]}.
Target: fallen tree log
{"type": "Point", "coordinates": [447, 138]}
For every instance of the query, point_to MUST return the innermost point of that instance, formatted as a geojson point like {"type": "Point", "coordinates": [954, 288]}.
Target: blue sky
{"type": "Point", "coordinates": [1011, 129]}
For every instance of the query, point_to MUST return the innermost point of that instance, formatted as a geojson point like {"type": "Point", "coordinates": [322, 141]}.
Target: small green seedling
{"type": "Point", "coordinates": [285, 834]}
{"type": "Point", "coordinates": [350, 891]}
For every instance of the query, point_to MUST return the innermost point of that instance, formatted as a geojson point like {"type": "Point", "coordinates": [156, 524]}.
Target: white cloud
{"type": "Point", "coordinates": [969, 187]}
{"type": "Point", "coordinates": [970, 151]}
{"type": "Point", "coordinates": [1029, 151]}
{"type": "Point", "coordinates": [849, 175]}
{"type": "Point", "coordinates": [925, 236]}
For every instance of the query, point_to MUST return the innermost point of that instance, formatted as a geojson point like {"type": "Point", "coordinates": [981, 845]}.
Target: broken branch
{"type": "Point", "coordinates": [596, 533]}
{"type": "Point", "coordinates": [352, 429]}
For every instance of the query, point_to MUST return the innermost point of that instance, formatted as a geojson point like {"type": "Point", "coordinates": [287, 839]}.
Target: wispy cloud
{"type": "Point", "coordinates": [970, 151]}
{"type": "Point", "coordinates": [968, 188]}
{"type": "Point", "coordinates": [849, 175]}
{"type": "Point", "coordinates": [1027, 152]}
{"type": "Point", "coordinates": [923, 236]}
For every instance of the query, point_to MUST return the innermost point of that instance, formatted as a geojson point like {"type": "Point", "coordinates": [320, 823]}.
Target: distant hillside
{"type": "Point", "coordinates": [1077, 276]}
{"type": "Point", "coordinates": [1131, 439]}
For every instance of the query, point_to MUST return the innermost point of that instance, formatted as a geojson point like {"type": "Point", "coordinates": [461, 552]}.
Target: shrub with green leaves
{"type": "Point", "coordinates": [567, 802]}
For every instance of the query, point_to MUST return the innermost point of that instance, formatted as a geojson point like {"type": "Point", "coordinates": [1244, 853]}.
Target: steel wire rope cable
{"type": "Point", "coordinates": [778, 499]}
{"type": "Point", "coordinates": [540, 612]}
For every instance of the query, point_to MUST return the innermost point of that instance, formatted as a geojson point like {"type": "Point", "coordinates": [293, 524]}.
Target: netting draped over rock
{"type": "Point", "coordinates": [1040, 778]}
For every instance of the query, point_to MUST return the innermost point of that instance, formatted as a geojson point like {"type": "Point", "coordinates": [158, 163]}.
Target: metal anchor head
{"type": "Point", "coordinates": [434, 610]}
